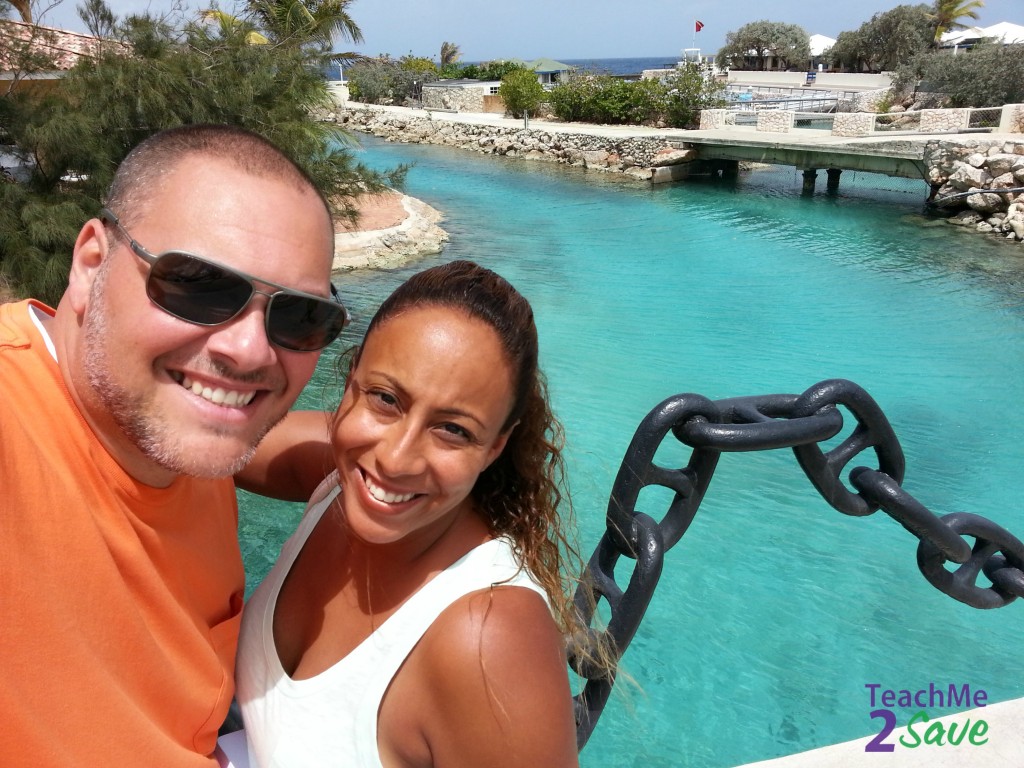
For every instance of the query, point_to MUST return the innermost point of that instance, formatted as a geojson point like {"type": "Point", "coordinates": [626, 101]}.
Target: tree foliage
{"type": "Point", "coordinates": [97, 17]}
{"type": "Point", "coordinates": [887, 40]}
{"type": "Point", "coordinates": [73, 137]}
{"type": "Point", "coordinates": [521, 91]}
{"type": "Point", "coordinates": [384, 80]}
{"type": "Point", "coordinates": [761, 41]}
{"type": "Point", "coordinates": [588, 97]}
{"type": "Point", "coordinates": [988, 75]}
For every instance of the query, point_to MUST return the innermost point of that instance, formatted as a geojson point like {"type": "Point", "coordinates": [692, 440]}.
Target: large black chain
{"type": "Point", "coordinates": [799, 422]}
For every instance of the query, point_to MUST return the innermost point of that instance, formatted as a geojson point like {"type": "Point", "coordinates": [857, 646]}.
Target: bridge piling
{"type": "Point", "coordinates": [832, 185]}
{"type": "Point", "coordinates": [810, 175]}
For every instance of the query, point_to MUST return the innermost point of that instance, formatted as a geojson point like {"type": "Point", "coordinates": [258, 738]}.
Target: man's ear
{"type": "Point", "coordinates": [91, 249]}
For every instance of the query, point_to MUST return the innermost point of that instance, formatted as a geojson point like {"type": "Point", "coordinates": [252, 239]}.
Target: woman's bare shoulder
{"type": "Point", "coordinates": [494, 664]}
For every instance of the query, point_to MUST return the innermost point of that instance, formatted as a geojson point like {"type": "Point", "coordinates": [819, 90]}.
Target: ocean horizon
{"type": "Point", "coordinates": [633, 65]}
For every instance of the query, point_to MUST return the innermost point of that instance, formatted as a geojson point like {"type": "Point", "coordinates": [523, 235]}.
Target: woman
{"type": "Point", "coordinates": [409, 620]}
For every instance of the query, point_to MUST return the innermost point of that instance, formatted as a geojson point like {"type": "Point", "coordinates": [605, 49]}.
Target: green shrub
{"type": "Point", "coordinates": [388, 81]}
{"type": "Point", "coordinates": [988, 75]}
{"type": "Point", "coordinates": [690, 91]}
{"type": "Point", "coordinates": [496, 70]}
{"type": "Point", "coordinates": [521, 92]}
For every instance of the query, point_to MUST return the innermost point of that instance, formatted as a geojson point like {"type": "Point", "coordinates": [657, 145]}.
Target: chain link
{"type": "Point", "coordinates": [759, 423]}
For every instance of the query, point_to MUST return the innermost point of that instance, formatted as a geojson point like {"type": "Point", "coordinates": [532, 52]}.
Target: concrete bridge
{"type": "Point", "coordinates": [805, 149]}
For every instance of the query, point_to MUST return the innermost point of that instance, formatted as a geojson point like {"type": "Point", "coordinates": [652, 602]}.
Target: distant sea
{"type": "Point", "coordinates": [633, 66]}
{"type": "Point", "coordinates": [625, 66]}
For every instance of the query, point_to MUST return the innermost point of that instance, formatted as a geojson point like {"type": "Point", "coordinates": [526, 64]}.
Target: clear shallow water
{"type": "Point", "coordinates": [774, 611]}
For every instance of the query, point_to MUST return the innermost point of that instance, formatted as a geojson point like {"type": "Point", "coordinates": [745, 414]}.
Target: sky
{"type": "Point", "coordinates": [568, 29]}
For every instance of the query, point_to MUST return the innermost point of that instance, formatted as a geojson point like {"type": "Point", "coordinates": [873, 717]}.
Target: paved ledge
{"type": "Point", "coordinates": [1005, 746]}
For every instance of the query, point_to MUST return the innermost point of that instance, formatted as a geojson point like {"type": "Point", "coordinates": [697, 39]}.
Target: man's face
{"type": "Point", "coordinates": [168, 397]}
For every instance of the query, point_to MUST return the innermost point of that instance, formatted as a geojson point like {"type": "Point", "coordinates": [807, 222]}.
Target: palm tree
{"type": "Point", "coordinates": [450, 54]}
{"type": "Point", "coordinates": [306, 21]}
{"type": "Point", "coordinates": [21, 6]}
{"type": "Point", "coordinates": [947, 14]}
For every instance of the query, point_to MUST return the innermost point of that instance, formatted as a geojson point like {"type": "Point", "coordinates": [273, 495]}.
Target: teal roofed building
{"type": "Point", "coordinates": [548, 71]}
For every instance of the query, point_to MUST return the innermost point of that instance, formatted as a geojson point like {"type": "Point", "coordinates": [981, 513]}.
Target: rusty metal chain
{"type": "Point", "coordinates": [761, 423]}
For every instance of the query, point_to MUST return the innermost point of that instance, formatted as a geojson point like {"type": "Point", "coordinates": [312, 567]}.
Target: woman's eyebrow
{"type": "Point", "coordinates": [404, 393]}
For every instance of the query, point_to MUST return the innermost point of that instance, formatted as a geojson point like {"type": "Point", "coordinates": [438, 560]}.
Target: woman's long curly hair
{"type": "Point", "coordinates": [520, 493]}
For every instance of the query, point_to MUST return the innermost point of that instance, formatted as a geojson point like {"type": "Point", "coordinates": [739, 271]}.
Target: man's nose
{"type": "Point", "coordinates": [243, 339]}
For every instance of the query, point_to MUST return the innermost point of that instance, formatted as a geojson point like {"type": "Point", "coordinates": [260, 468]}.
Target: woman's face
{"type": "Point", "coordinates": [420, 419]}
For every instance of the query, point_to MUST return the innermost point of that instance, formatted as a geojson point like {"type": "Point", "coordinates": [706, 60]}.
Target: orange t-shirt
{"type": "Point", "coordinates": [119, 603]}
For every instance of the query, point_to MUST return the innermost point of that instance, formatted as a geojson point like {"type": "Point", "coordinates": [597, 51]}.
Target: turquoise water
{"type": "Point", "coordinates": [774, 611]}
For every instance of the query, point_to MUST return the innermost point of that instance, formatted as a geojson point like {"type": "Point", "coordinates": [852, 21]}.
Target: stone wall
{"type": "Point", "coordinates": [853, 124]}
{"type": "Point", "coordinates": [775, 120]}
{"type": "Point", "coordinates": [866, 101]}
{"type": "Point", "coordinates": [984, 176]}
{"type": "Point", "coordinates": [454, 98]}
{"type": "Point", "coordinates": [934, 120]}
{"type": "Point", "coordinates": [1012, 120]}
{"type": "Point", "coordinates": [711, 119]}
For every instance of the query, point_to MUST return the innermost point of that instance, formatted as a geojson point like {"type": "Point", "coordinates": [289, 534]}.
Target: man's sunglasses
{"type": "Point", "coordinates": [204, 292]}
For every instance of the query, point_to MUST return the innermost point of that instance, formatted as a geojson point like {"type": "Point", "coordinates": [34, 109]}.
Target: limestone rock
{"type": "Point", "coordinates": [965, 218]}
{"type": "Point", "coordinates": [985, 202]}
{"type": "Point", "coordinates": [1001, 163]}
{"type": "Point", "coordinates": [671, 156]}
{"type": "Point", "coordinates": [967, 177]}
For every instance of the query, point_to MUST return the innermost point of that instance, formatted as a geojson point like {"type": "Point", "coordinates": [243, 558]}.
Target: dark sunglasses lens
{"type": "Point", "coordinates": [196, 290]}
{"type": "Point", "coordinates": [303, 324]}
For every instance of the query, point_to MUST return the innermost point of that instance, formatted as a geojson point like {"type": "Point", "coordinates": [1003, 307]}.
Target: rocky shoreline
{"type": "Point", "coordinates": [984, 180]}
{"type": "Point", "coordinates": [635, 156]}
{"type": "Point", "coordinates": [393, 229]}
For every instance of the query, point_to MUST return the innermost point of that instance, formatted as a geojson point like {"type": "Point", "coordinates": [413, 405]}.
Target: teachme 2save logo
{"type": "Point", "coordinates": [916, 708]}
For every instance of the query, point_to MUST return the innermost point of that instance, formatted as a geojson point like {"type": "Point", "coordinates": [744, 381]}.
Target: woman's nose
{"type": "Point", "coordinates": [400, 451]}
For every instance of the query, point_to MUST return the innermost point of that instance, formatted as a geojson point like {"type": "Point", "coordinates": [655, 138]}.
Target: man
{"type": "Point", "coordinates": [124, 414]}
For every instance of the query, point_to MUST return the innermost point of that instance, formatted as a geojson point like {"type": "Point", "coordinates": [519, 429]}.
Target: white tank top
{"type": "Point", "coordinates": [331, 719]}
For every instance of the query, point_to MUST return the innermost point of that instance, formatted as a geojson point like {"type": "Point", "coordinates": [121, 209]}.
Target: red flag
{"type": "Point", "coordinates": [699, 25]}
